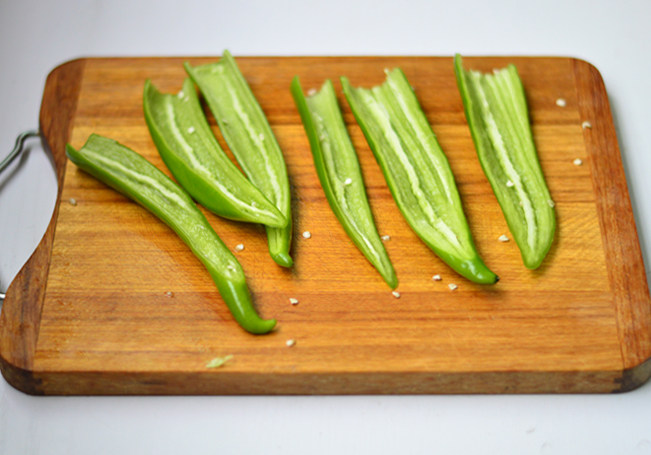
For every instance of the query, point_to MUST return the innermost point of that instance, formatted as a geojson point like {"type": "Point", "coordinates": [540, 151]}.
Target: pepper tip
{"type": "Point", "coordinates": [283, 259]}
{"type": "Point", "coordinates": [261, 326]}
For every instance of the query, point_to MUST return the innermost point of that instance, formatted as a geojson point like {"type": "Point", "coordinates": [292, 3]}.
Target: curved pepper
{"type": "Point", "coordinates": [496, 110]}
{"type": "Point", "coordinates": [135, 177]}
{"type": "Point", "coordinates": [250, 138]}
{"type": "Point", "coordinates": [191, 152]}
{"type": "Point", "coordinates": [417, 171]}
{"type": "Point", "coordinates": [338, 169]}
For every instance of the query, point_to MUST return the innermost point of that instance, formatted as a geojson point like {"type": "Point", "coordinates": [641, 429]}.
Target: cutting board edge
{"type": "Point", "coordinates": [632, 301]}
{"type": "Point", "coordinates": [75, 383]}
{"type": "Point", "coordinates": [370, 383]}
{"type": "Point", "coordinates": [21, 309]}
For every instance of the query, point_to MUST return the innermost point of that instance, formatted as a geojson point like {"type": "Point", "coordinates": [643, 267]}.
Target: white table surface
{"type": "Point", "coordinates": [35, 36]}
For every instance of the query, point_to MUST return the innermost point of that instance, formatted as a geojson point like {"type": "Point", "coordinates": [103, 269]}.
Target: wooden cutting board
{"type": "Point", "coordinates": [112, 302]}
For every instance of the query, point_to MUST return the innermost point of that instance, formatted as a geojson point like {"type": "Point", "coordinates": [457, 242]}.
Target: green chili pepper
{"type": "Point", "coordinates": [193, 155]}
{"type": "Point", "coordinates": [417, 171]}
{"type": "Point", "coordinates": [132, 175]}
{"type": "Point", "coordinates": [250, 138]}
{"type": "Point", "coordinates": [338, 169]}
{"type": "Point", "coordinates": [496, 110]}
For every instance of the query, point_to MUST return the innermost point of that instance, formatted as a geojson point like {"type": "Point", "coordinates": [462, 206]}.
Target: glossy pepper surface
{"type": "Point", "coordinates": [191, 152]}
{"type": "Point", "coordinates": [249, 136]}
{"type": "Point", "coordinates": [417, 171]}
{"type": "Point", "coordinates": [497, 114]}
{"type": "Point", "coordinates": [132, 175]}
{"type": "Point", "coordinates": [340, 175]}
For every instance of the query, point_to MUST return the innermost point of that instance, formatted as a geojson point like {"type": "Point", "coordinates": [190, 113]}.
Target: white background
{"type": "Point", "coordinates": [35, 36]}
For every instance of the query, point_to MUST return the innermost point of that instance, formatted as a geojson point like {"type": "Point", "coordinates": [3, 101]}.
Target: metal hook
{"type": "Point", "coordinates": [18, 148]}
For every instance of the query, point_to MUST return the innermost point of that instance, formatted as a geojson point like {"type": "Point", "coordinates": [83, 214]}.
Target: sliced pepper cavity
{"type": "Point", "coordinates": [191, 152]}
{"type": "Point", "coordinates": [249, 136]}
{"type": "Point", "coordinates": [496, 110]}
{"type": "Point", "coordinates": [340, 174]}
{"type": "Point", "coordinates": [132, 175]}
{"type": "Point", "coordinates": [417, 171]}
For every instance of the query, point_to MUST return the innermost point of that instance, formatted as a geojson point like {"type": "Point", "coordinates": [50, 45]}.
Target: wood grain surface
{"type": "Point", "coordinates": [112, 302]}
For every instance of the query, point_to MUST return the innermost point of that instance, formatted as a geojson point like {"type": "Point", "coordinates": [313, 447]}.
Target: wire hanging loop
{"type": "Point", "coordinates": [18, 148]}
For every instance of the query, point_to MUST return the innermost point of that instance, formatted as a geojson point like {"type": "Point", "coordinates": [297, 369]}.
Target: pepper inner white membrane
{"type": "Point", "coordinates": [497, 114]}
{"type": "Point", "coordinates": [340, 174]}
{"type": "Point", "coordinates": [180, 122]}
{"type": "Point", "coordinates": [415, 166]}
{"type": "Point", "coordinates": [249, 136]}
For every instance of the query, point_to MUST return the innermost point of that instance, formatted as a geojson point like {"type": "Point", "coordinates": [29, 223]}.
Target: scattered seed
{"type": "Point", "coordinates": [72, 201]}
{"type": "Point", "coordinates": [293, 301]}
{"type": "Point", "coordinates": [291, 342]}
{"type": "Point", "coordinates": [510, 184]}
{"type": "Point", "coordinates": [169, 294]}
{"type": "Point", "coordinates": [396, 294]}
{"type": "Point", "coordinates": [181, 94]}
{"type": "Point", "coordinates": [437, 277]}
{"type": "Point", "coordinates": [239, 247]}
{"type": "Point", "coordinates": [311, 92]}
{"type": "Point", "coordinates": [561, 102]}
{"type": "Point", "coordinates": [386, 70]}
{"type": "Point", "coordinates": [307, 234]}
{"type": "Point", "coordinates": [586, 124]}
{"type": "Point", "coordinates": [261, 136]}
{"type": "Point", "coordinates": [578, 162]}
{"type": "Point", "coordinates": [551, 203]}
{"type": "Point", "coordinates": [218, 361]}
{"type": "Point", "coordinates": [191, 130]}
{"type": "Point", "coordinates": [503, 238]}
{"type": "Point", "coordinates": [348, 181]}
{"type": "Point", "coordinates": [452, 286]}
{"type": "Point", "coordinates": [386, 238]}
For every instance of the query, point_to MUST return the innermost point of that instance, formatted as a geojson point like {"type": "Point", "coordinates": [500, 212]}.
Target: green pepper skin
{"type": "Point", "coordinates": [340, 175]}
{"type": "Point", "coordinates": [250, 138]}
{"type": "Point", "coordinates": [496, 110]}
{"type": "Point", "coordinates": [135, 177]}
{"type": "Point", "coordinates": [417, 171]}
{"type": "Point", "coordinates": [193, 155]}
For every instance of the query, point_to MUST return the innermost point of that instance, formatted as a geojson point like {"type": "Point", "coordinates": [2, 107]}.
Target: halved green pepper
{"type": "Point", "coordinates": [496, 111]}
{"type": "Point", "coordinates": [132, 175]}
{"type": "Point", "coordinates": [417, 171]}
{"type": "Point", "coordinates": [338, 169]}
{"type": "Point", "coordinates": [250, 138]}
{"type": "Point", "coordinates": [191, 152]}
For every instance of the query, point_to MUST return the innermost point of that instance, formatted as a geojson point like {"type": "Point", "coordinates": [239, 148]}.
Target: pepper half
{"type": "Point", "coordinates": [250, 138]}
{"type": "Point", "coordinates": [191, 152]}
{"type": "Point", "coordinates": [497, 114]}
{"type": "Point", "coordinates": [417, 171]}
{"type": "Point", "coordinates": [132, 175]}
{"type": "Point", "coordinates": [340, 175]}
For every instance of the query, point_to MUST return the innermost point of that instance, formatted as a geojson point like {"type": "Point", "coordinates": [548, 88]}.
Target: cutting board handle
{"type": "Point", "coordinates": [21, 308]}
{"type": "Point", "coordinates": [17, 150]}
